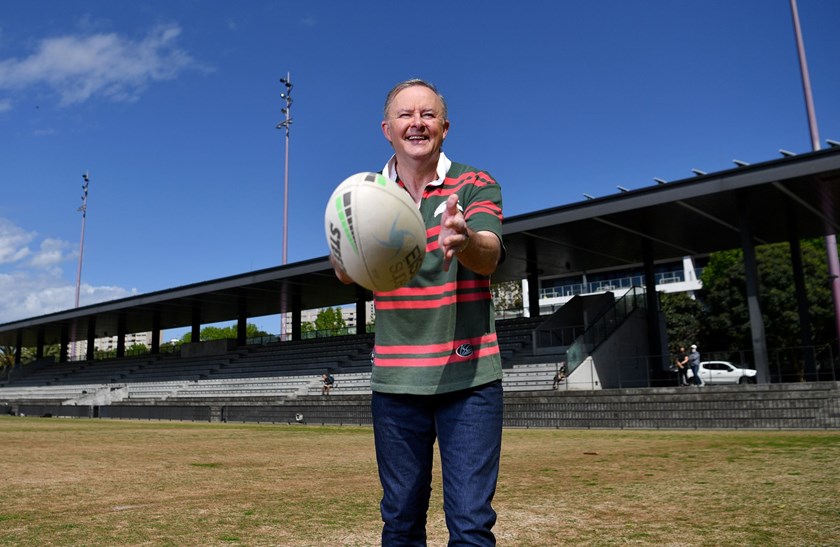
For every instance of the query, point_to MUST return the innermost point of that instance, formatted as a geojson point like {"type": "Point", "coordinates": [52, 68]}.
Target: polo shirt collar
{"type": "Point", "coordinates": [443, 166]}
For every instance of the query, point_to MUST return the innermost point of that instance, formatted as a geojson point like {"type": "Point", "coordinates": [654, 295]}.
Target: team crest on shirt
{"type": "Point", "coordinates": [464, 350]}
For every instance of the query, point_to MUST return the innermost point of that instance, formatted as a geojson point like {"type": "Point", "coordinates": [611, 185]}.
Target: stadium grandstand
{"type": "Point", "coordinates": [584, 269]}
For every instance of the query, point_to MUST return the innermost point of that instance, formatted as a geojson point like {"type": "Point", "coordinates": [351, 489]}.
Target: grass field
{"type": "Point", "coordinates": [103, 482]}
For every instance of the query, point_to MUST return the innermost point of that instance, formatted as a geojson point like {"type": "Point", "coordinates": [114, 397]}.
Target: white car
{"type": "Point", "coordinates": [724, 372]}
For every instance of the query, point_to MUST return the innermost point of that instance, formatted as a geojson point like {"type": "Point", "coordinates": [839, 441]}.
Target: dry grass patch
{"type": "Point", "coordinates": [103, 482]}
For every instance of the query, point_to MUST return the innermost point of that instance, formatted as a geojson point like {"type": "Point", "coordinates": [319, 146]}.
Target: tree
{"type": "Point", "coordinates": [330, 319]}
{"type": "Point", "coordinates": [137, 349]}
{"type": "Point", "coordinates": [27, 355]}
{"type": "Point", "coordinates": [682, 318]}
{"type": "Point", "coordinates": [726, 320]}
{"type": "Point", "coordinates": [224, 333]}
{"type": "Point", "coordinates": [100, 354]}
{"type": "Point", "coordinates": [7, 359]}
{"type": "Point", "coordinates": [726, 323]}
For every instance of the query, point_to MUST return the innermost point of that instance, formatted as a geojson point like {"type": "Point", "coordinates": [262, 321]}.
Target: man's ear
{"type": "Point", "coordinates": [386, 130]}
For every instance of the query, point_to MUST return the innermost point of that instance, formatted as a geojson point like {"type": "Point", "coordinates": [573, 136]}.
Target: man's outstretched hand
{"type": "Point", "coordinates": [454, 235]}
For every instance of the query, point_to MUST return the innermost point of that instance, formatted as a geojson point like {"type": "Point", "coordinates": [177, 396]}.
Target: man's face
{"type": "Point", "coordinates": [415, 126]}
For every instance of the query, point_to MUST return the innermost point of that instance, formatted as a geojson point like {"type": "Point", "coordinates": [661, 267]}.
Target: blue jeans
{"type": "Point", "coordinates": [695, 368]}
{"type": "Point", "coordinates": [468, 427]}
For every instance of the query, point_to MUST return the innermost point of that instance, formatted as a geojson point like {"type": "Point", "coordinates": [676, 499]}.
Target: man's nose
{"type": "Point", "coordinates": [417, 120]}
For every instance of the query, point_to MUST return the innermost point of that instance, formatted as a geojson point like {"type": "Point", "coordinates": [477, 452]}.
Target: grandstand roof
{"type": "Point", "coordinates": [694, 216]}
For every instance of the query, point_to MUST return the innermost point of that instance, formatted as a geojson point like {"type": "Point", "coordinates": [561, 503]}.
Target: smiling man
{"type": "Point", "coordinates": [437, 368]}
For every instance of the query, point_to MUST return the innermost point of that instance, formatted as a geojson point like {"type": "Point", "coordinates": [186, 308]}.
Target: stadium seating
{"type": "Point", "coordinates": [278, 370]}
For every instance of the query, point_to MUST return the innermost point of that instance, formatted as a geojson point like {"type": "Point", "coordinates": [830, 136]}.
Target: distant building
{"type": "Point", "coordinates": [109, 343]}
{"type": "Point", "coordinates": [347, 312]}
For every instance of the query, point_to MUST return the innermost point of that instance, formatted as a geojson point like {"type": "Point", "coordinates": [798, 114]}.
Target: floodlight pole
{"type": "Point", "coordinates": [83, 209]}
{"type": "Point", "coordinates": [831, 239]}
{"type": "Point", "coordinates": [287, 110]}
{"type": "Point", "coordinates": [285, 124]}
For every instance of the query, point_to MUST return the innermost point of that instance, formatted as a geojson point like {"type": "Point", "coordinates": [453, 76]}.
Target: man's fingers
{"type": "Point", "coordinates": [452, 203]}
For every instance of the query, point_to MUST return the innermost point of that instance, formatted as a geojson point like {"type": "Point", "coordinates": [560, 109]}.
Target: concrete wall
{"type": "Point", "coordinates": [761, 406]}
{"type": "Point", "coordinates": [611, 365]}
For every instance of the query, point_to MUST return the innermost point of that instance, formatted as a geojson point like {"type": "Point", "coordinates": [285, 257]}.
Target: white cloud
{"type": "Point", "coordinates": [108, 65]}
{"type": "Point", "coordinates": [13, 242]}
{"type": "Point", "coordinates": [50, 254]}
{"type": "Point", "coordinates": [36, 286]}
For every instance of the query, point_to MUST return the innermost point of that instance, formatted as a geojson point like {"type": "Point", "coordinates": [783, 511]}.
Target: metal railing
{"type": "Point", "coordinates": [573, 289]}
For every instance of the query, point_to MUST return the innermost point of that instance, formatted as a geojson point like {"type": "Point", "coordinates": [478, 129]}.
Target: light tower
{"type": "Point", "coordinates": [285, 124]}
{"type": "Point", "coordinates": [83, 209]}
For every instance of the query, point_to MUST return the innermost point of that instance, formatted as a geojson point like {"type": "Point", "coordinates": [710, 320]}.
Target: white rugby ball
{"type": "Point", "coordinates": [375, 232]}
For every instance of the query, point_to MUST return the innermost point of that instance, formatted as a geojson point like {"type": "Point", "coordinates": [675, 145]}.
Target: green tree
{"type": "Point", "coordinates": [99, 354]}
{"type": "Point", "coordinates": [137, 349]}
{"type": "Point", "coordinates": [27, 355]}
{"type": "Point", "coordinates": [726, 323]}
{"type": "Point", "coordinates": [330, 320]}
{"type": "Point", "coordinates": [725, 317]}
{"type": "Point", "coordinates": [7, 359]}
{"type": "Point", "coordinates": [224, 333]}
{"type": "Point", "coordinates": [682, 318]}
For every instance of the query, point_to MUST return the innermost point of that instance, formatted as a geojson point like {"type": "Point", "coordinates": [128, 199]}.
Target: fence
{"type": "Point", "coordinates": [787, 365]}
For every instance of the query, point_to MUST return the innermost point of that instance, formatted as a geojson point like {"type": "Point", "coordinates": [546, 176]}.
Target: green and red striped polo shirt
{"type": "Point", "coordinates": [438, 334]}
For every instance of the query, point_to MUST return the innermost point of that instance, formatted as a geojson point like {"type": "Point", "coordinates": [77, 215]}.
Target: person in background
{"type": "Point", "coordinates": [560, 376]}
{"type": "Point", "coordinates": [328, 381]}
{"type": "Point", "coordinates": [682, 366]}
{"type": "Point", "coordinates": [437, 366]}
{"type": "Point", "coordinates": [694, 364]}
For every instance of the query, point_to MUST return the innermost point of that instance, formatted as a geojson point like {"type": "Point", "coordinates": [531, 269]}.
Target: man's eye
{"type": "Point", "coordinates": [429, 115]}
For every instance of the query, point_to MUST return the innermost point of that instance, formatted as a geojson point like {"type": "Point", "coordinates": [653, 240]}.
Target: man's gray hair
{"type": "Point", "coordinates": [411, 83]}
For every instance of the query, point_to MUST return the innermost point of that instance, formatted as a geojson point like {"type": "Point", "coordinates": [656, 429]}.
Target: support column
{"type": "Point", "coordinates": [91, 338]}
{"type": "Point", "coordinates": [63, 345]}
{"type": "Point", "coordinates": [759, 340]}
{"type": "Point", "coordinates": [156, 332]}
{"type": "Point", "coordinates": [533, 273]}
{"type": "Point", "coordinates": [241, 318]}
{"type": "Point", "coordinates": [361, 310]}
{"type": "Point", "coordinates": [297, 316]}
{"type": "Point", "coordinates": [39, 350]}
{"type": "Point", "coordinates": [195, 333]}
{"type": "Point", "coordinates": [657, 344]}
{"type": "Point", "coordinates": [18, 347]}
{"type": "Point", "coordinates": [241, 329]}
{"type": "Point", "coordinates": [121, 335]}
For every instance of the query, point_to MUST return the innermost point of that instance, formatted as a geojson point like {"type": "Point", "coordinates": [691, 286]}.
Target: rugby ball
{"type": "Point", "coordinates": [375, 232]}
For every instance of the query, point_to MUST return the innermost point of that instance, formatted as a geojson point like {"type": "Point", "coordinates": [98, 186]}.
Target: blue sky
{"type": "Point", "coordinates": [172, 107]}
